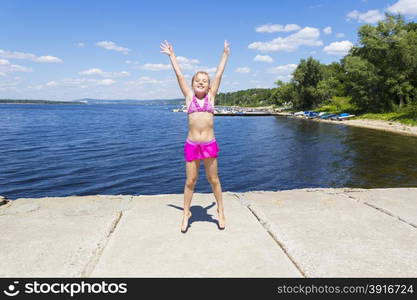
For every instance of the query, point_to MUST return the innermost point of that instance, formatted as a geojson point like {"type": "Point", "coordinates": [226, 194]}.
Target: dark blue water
{"type": "Point", "coordinates": [62, 150]}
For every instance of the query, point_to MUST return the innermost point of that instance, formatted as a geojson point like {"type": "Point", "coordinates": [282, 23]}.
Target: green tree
{"type": "Point", "coordinates": [306, 77]}
{"type": "Point", "coordinates": [388, 54]}
{"type": "Point", "coordinates": [335, 77]}
{"type": "Point", "coordinates": [285, 93]}
{"type": "Point", "coordinates": [363, 83]}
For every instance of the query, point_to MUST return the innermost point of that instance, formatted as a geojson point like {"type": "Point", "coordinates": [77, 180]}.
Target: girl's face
{"type": "Point", "coordinates": [201, 83]}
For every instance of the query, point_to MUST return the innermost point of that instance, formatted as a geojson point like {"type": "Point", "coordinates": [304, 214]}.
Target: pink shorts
{"type": "Point", "coordinates": [200, 150]}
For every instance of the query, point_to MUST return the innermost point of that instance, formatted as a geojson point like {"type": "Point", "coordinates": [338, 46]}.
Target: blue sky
{"type": "Point", "coordinates": [67, 50]}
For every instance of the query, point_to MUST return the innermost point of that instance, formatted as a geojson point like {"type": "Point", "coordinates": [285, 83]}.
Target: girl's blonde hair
{"type": "Point", "coordinates": [200, 72]}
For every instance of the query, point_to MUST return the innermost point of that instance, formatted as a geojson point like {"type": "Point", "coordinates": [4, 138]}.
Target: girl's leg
{"type": "Point", "coordinates": [191, 168]}
{"type": "Point", "coordinates": [210, 165]}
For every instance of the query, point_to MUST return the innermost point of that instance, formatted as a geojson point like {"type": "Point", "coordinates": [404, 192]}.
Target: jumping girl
{"type": "Point", "coordinates": [200, 143]}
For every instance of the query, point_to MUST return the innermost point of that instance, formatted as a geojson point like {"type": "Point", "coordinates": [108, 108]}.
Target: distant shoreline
{"type": "Point", "coordinates": [39, 102]}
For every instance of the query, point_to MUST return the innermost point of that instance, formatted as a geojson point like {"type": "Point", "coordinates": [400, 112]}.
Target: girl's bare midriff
{"type": "Point", "coordinates": [200, 126]}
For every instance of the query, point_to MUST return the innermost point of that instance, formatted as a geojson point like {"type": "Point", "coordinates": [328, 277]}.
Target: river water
{"type": "Point", "coordinates": [112, 149]}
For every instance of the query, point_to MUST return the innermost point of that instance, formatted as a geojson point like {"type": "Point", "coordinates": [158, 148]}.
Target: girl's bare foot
{"type": "Point", "coordinates": [184, 225]}
{"type": "Point", "coordinates": [221, 221]}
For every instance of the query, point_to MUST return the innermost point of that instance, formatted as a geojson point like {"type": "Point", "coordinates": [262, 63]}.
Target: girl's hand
{"type": "Point", "coordinates": [226, 47]}
{"type": "Point", "coordinates": [167, 48]}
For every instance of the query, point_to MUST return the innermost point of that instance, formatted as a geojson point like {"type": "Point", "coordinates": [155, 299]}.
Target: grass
{"type": "Point", "coordinates": [404, 117]}
{"type": "Point", "coordinates": [337, 105]}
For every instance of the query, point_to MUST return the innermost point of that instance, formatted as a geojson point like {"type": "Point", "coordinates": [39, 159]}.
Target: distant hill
{"type": "Point", "coordinates": [96, 101]}
{"type": "Point", "coordinates": [134, 101]}
{"type": "Point", "coordinates": [31, 101]}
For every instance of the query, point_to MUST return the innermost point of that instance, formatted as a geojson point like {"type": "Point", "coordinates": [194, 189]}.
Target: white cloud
{"type": "Point", "coordinates": [29, 56]}
{"type": "Point", "coordinates": [209, 70]}
{"type": "Point", "coordinates": [193, 65]}
{"type": "Point", "coordinates": [327, 30]}
{"type": "Point", "coordinates": [270, 28]}
{"type": "Point", "coordinates": [263, 58]}
{"type": "Point", "coordinates": [147, 79]}
{"type": "Point", "coordinates": [105, 82]}
{"type": "Point", "coordinates": [99, 72]}
{"type": "Point", "coordinates": [112, 46]}
{"type": "Point", "coordinates": [338, 48]}
{"type": "Point", "coordinates": [371, 16]}
{"type": "Point", "coordinates": [243, 70]}
{"type": "Point", "coordinates": [52, 83]}
{"type": "Point", "coordinates": [48, 58]}
{"type": "Point", "coordinates": [80, 44]}
{"type": "Point", "coordinates": [142, 81]}
{"type": "Point", "coordinates": [7, 67]}
{"type": "Point", "coordinates": [308, 36]}
{"type": "Point", "coordinates": [283, 70]}
{"type": "Point", "coordinates": [153, 67]}
{"type": "Point", "coordinates": [182, 59]}
{"type": "Point", "coordinates": [92, 71]}
{"type": "Point", "coordinates": [405, 7]}
{"type": "Point", "coordinates": [80, 82]}
{"type": "Point", "coordinates": [340, 35]}
{"type": "Point", "coordinates": [186, 63]}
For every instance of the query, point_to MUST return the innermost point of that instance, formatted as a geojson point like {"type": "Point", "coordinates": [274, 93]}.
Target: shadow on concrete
{"type": "Point", "coordinates": [199, 214]}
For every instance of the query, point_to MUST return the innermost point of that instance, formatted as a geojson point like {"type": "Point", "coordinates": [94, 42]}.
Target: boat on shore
{"type": "Point", "coordinates": [322, 115]}
{"type": "Point", "coordinates": [345, 116]}
{"type": "Point", "coordinates": [327, 116]}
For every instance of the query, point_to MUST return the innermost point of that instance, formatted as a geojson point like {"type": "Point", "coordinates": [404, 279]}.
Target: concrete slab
{"type": "Point", "coordinates": [311, 232]}
{"type": "Point", "coordinates": [398, 202]}
{"type": "Point", "coordinates": [54, 237]}
{"type": "Point", "coordinates": [328, 234]}
{"type": "Point", "coordinates": [148, 243]}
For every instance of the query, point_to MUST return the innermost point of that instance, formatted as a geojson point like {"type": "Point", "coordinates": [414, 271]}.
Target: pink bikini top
{"type": "Point", "coordinates": [194, 106]}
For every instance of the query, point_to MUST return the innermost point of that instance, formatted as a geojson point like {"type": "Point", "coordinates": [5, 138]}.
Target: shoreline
{"type": "Point", "coordinates": [390, 126]}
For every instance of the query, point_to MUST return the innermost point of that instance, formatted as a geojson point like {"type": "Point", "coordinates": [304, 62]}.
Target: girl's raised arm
{"type": "Point", "coordinates": [220, 69]}
{"type": "Point", "coordinates": [169, 50]}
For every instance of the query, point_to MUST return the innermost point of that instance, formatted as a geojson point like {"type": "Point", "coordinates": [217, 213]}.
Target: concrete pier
{"type": "Point", "coordinates": [295, 233]}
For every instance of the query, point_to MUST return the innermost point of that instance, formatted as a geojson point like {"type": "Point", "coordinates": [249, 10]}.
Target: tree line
{"type": "Point", "coordinates": [377, 75]}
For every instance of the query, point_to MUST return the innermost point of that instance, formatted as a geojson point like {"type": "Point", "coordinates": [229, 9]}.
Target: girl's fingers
{"type": "Point", "coordinates": [166, 47]}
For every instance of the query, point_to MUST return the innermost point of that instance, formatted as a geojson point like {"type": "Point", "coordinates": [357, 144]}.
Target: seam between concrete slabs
{"type": "Point", "coordinates": [384, 211]}
{"type": "Point", "coordinates": [94, 259]}
{"type": "Point", "coordinates": [273, 235]}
